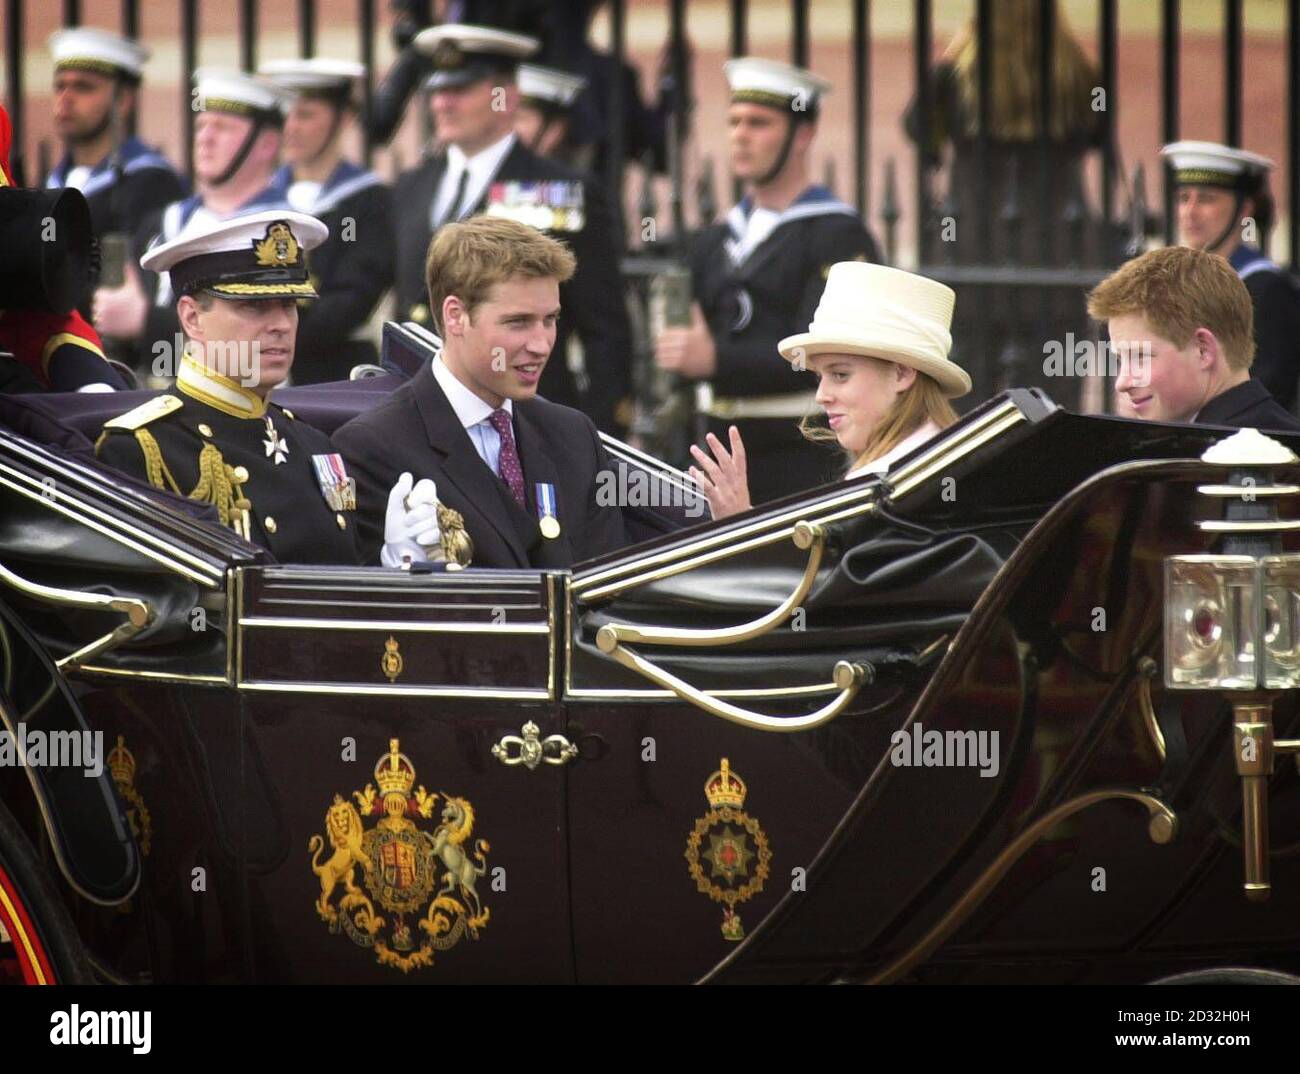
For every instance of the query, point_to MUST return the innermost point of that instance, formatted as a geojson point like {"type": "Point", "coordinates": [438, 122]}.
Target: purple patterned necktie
{"type": "Point", "coordinates": [512, 473]}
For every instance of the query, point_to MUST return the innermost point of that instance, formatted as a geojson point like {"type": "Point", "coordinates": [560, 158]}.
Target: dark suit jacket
{"type": "Point", "coordinates": [592, 303]}
{"type": "Point", "coordinates": [1248, 405]}
{"type": "Point", "coordinates": [416, 429]}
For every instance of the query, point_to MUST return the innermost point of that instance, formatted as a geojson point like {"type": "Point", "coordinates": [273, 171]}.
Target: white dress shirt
{"type": "Point", "coordinates": [904, 447]}
{"type": "Point", "coordinates": [474, 414]}
{"type": "Point", "coordinates": [482, 166]}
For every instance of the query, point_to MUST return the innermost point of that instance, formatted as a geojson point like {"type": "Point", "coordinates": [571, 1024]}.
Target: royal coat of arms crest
{"type": "Point", "coordinates": [406, 892]}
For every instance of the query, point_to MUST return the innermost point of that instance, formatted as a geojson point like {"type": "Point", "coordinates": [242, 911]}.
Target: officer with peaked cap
{"type": "Point", "coordinates": [544, 119]}
{"type": "Point", "coordinates": [354, 266]}
{"type": "Point", "coordinates": [215, 436]}
{"type": "Point", "coordinates": [1224, 206]}
{"type": "Point", "coordinates": [96, 88]}
{"type": "Point", "coordinates": [757, 278]}
{"type": "Point", "coordinates": [236, 144]}
{"type": "Point", "coordinates": [486, 169]}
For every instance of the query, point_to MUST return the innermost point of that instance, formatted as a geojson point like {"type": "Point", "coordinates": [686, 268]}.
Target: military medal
{"type": "Point", "coordinates": [274, 445]}
{"type": "Point", "coordinates": [339, 490]}
{"type": "Point", "coordinates": [548, 523]}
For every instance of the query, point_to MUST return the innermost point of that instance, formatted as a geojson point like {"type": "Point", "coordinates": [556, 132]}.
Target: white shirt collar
{"type": "Point", "coordinates": [469, 408]}
{"type": "Point", "coordinates": [904, 447]}
{"type": "Point", "coordinates": [483, 164]}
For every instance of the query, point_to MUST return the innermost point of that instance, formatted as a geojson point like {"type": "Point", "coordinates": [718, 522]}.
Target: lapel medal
{"type": "Point", "coordinates": [548, 523]}
{"type": "Point", "coordinates": [339, 490]}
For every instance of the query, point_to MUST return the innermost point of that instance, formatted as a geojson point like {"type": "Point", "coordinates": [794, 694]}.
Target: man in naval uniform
{"type": "Point", "coordinates": [1225, 207]}
{"type": "Point", "coordinates": [214, 436]}
{"type": "Point", "coordinates": [236, 144]}
{"type": "Point", "coordinates": [484, 168]}
{"type": "Point", "coordinates": [757, 278]}
{"type": "Point", "coordinates": [544, 121]}
{"type": "Point", "coordinates": [352, 268]}
{"type": "Point", "coordinates": [96, 89]}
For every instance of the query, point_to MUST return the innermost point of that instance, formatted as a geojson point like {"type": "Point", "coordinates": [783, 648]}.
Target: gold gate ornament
{"type": "Point", "coordinates": [728, 855]}
{"type": "Point", "coordinates": [398, 863]}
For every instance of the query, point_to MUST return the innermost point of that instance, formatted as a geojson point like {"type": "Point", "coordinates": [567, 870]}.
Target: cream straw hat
{"type": "Point", "coordinates": [880, 312]}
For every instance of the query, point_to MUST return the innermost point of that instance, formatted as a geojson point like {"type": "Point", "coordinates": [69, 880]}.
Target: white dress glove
{"type": "Point", "coordinates": [411, 523]}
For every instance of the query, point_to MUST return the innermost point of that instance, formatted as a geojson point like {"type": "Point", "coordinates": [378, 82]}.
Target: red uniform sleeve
{"type": "Point", "coordinates": [6, 138]}
{"type": "Point", "coordinates": [39, 340]}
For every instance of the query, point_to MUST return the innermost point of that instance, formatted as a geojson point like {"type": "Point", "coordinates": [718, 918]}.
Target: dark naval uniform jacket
{"type": "Point", "coordinates": [161, 323]}
{"type": "Point", "coordinates": [351, 270]}
{"type": "Point", "coordinates": [212, 440]}
{"type": "Point", "coordinates": [1248, 406]}
{"type": "Point", "coordinates": [146, 184]}
{"type": "Point", "coordinates": [417, 429]}
{"type": "Point", "coordinates": [752, 299]}
{"type": "Point", "coordinates": [1276, 298]}
{"type": "Point", "coordinates": [569, 206]}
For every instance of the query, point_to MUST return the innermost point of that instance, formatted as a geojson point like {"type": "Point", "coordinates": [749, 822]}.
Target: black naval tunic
{"type": "Point", "coordinates": [1275, 296]}
{"type": "Point", "coordinates": [751, 302]}
{"type": "Point", "coordinates": [538, 191]}
{"type": "Point", "coordinates": [196, 444]}
{"type": "Point", "coordinates": [1248, 406]}
{"type": "Point", "coordinates": [120, 202]}
{"type": "Point", "coordinates": [351, 270]}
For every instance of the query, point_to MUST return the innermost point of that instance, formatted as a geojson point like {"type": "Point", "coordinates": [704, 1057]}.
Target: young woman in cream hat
{"type": "Point", "coordinates": [878, 345]}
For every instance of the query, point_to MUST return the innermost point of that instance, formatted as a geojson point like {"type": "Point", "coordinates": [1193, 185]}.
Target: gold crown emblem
{"type": "Point", "coordinates": [278, 247]}
{"type": "Point", "coordinates": [725, 788]}
{"type": "Point", "coordinates": [448, 54]}
{"type": "Point", "coordinates": [121, 764]}
{"type": "Point", "coordinates": [394, 773]}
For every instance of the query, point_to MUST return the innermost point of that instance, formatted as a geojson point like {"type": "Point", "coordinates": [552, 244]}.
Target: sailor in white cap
{"type": "Point", "coordinates": [878, 346]}
{"type": "Point", "coordinates": [354, 266]}
{"type": "Point", "coordinates": [96, 89]}
{"type": "Point", "coordinates": [1225, 207]}
{"type": "Point", "coordinates": [543, 122]}
{"type": "Point", "coordinates": [236, 142]}
{"type": "Point", "coordinates": [483, 167]}
{"type": "Point", "coordinates": [214, 436]}
{"type": "Point", "coordinates": [757, 277]}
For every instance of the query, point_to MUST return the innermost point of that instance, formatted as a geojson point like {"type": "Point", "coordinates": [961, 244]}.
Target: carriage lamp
{"type": "Point", "coordinates": [1232, 623]}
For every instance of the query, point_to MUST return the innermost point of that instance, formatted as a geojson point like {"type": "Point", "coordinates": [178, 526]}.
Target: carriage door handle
{"type": "Point", "coordinates": [533, 749]}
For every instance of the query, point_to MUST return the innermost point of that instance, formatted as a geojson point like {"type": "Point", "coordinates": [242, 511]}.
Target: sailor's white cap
{"type": "Point", "coordinates": [549, 85]}
{"type": "Point", "coordinates": [463, 54]}
{"type": "Point", "coordinates": [755, 80]}
{"type": "Point", "coordinates": [224, 89]}
{"type": "Point", "coordinates": [255, 256]}
{"type": "Point", "coordinates": [1212, 164]}
{"type": "Point", "coordinates": [85, 48]}
{"type": "Point", "coordinates": [314, 75]}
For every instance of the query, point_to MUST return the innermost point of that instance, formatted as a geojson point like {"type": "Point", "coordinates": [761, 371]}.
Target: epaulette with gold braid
{"type": "Point", "coordinates": [150, 410]}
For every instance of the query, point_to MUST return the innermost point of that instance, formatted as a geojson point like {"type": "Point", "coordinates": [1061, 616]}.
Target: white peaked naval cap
{"type": "Point", "coordinates": [464, 54]}
{"type": "Point", "coordinates": [879, 312]}
{"type": "Point", "coordinates": [320, 74]}
{"type": "Point", "coordinates": [1212, 164]}
{"type": "Point", "coordinates": [223, 89]}
{"type": "Point", "coordinates": [755, 80]}
{"type": "Point", "coordinates": [549, 84]}
{"type": "Point", "coordinates": [85, 48]}
{"type": "Point", "coordinates": [260, 255]}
